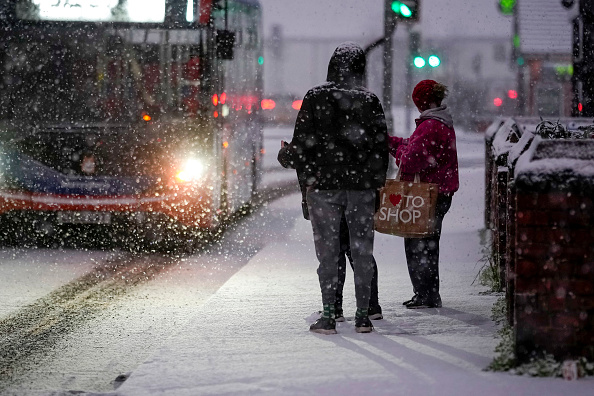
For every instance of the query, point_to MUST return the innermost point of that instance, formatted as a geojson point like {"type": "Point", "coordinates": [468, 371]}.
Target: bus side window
{"type": "Point", "coordinates": [191, 82]}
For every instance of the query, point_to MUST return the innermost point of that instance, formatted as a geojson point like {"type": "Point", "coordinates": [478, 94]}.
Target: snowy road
{"type": "Point", "coordinates": [103, 323]}
{"type": "Point", "coordinates": [77, 320]}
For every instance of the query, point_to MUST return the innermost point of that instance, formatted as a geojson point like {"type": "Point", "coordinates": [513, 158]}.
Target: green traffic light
{"type": "Point", "coordinates": [434, 61]}
{"type": "Point", "coordinates": [419, 62]}
{"type": "Point", "coordinates": [401, 9]}
{"type": "Point", "coordinates": [405, 11]}
{"type": "Point", "coordinates": [261, 60]}
{"type": "Point", "coordinates": [507, 7]}
{"type": "Point", "coordinates": [516, 41]}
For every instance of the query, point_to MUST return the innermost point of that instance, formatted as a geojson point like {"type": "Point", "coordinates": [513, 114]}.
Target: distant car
{"type": "Point", "coordinates": [280, 109]}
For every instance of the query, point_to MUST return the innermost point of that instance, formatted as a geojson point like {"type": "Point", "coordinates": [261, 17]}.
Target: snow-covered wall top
{"type": "Point", "coordinates": [505, 138]}
{"type": "Point", "coordinates": [560, 164]}
{"type": "Point", "coordinates": [519, 148]}
{"type": "Point", "coordinates": [510, 137]}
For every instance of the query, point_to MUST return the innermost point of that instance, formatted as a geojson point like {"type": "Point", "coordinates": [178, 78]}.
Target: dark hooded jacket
{"type": "Point", "coordinates": [340, 140]}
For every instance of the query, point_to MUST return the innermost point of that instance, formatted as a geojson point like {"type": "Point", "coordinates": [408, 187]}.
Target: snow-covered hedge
{"type": "Point", "coordinates": [564, 164]}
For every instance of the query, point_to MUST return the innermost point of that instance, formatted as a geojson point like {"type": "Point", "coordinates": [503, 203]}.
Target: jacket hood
{"type": "Point", "coordinates": [347, 65]}
{"type": "Point", "coordinates": [440, 113]}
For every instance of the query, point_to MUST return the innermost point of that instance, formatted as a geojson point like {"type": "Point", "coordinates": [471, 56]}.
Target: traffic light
{"type": "Point", "coordinates": [433, 60]}
{"type": "Point", "coordinates": [419, 62]}
{"type": "Point", "coordinates": [507, 7]}
{"type": "Point", "coordinates": [406, 10]}
{"type": "Point", "coordinates": [417, 59]}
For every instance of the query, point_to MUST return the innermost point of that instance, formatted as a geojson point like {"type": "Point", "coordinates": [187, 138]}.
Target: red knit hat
{"type": "Point", "coordinates": [424, 94]}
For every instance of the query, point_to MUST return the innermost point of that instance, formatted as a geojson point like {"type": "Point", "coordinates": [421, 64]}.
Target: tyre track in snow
{"type": "Point", "coordinates": [27, 335]}
{"type": "Point", "coordinates": [34, 329]}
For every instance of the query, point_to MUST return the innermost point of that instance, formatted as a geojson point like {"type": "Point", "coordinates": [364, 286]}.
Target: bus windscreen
{"type": "Point", "coordinates": [132, 11]}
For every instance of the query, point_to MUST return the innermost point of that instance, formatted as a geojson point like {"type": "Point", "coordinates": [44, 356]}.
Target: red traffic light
{"type": "Point", "coordinates": [512, 94]}
{"type": "Point", "coordinates": [497, 102]}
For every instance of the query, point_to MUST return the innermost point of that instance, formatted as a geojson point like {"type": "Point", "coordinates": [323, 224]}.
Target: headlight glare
{"type": "Point", "coordinates": [192, 171]}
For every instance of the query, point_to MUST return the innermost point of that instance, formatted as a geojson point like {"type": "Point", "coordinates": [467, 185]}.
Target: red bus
{"type": "Point", "coordinates": [140, 116]}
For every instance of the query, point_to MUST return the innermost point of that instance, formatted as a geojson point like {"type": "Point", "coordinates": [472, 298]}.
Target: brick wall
{"type": "Point", "coordinates": [489, 163]}
{"type": "Point", "coordinates": [499, 235]}
{"type": "Point", "coordinates": [497, 223]}
{"type": "Point", "coordinates": [540, 215]}
{"type": "Point", "coordinates": [554, 274]}
{"type": "Point", "coordinates": [510, 248]}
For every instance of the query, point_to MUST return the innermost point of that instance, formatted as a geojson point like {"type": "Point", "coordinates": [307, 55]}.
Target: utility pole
{"type": "Point", "coordinates": [278, 62]}
{"type": "Point", "coordinates": [394, 10]}
{"type": "Point", "coordinates": [583, 59]}
{"type": "Point", "coordinates": [510, 8]}
{"type": "Point", "coordinates": [519, 63]}
{"type": "Point", "coordinates": [414, 41]}
{"type": "Point", "coordinates": [389, 28]}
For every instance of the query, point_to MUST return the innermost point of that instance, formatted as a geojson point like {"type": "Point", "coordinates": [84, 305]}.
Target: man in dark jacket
{"type": "Point", "coordinates": [340, 151]}
{"type": "Point", "coordinates": [375, 310]}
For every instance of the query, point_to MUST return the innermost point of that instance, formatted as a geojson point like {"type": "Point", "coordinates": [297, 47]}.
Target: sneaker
{"type": "Point", "coordinates": [324, 326]}
{"type": "Point", "coordinates": [413, 298]}
{"type": "Point", "coordinates": [363, 324]}
{"type": "Point", "coordinates": [339, 315]}
{"type": "Point", "coordinates": [375, 313]}
{"type": "Point", "coordinates": [419, 304]}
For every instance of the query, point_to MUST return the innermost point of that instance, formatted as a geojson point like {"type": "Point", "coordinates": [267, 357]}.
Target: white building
{"type": "Point", "coordinates": [545, 32]}
{"type": "Point", "coordinates": [477, 70]}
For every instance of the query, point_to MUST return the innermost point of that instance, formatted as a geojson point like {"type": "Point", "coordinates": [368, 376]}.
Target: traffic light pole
{"type": "Point", "coordinates": [389, 28]}
{"type": "Point", "coordinates": [408, 83]}
{"type": "Point", "coordinates": [583, 61]}
{"type": "Point", "coordinates": [521, 84]}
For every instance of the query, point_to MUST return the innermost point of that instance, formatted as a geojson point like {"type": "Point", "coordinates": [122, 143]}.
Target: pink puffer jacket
{"type": "Point", "coordinates": [430, 151]}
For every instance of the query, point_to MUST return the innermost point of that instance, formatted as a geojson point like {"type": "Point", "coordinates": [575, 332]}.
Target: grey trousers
{"type": "Point", "coordinates": [326, 208]}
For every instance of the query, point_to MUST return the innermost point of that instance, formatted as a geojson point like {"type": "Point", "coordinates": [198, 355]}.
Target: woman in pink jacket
{"type": "Point", "coordinates": [430, 152]}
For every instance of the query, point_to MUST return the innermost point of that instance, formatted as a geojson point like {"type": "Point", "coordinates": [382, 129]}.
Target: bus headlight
{"type": "Point", "coordinates": [191, 171]}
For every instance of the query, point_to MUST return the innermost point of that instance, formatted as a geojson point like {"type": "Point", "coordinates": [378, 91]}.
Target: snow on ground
{"type": "Point", "coordinates": [29, 274]}
{"type": "Point", "coordinates": [251, 337]}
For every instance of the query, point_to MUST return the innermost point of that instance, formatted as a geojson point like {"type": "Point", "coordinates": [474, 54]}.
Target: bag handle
{"type": "Point", "coordinates": [417, 176]}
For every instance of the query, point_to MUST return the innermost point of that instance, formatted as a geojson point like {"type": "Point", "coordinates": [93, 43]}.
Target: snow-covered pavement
{"type": "Point", "coordinates": [251, 337]}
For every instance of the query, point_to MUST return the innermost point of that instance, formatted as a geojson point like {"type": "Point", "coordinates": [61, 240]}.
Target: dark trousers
{"type": "Point", "coordinates": [345, 252]}
{"type": "Point", "coordinates": [422, 257]}
{"type": "Point", "coordinates": [327, 208]}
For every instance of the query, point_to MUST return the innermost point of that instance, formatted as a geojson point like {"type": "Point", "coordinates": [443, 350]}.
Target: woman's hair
{"type": "Point", "coordinates": [440, 92]}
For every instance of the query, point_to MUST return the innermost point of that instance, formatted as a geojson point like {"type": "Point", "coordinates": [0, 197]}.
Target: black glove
{"type": "Point", "coordinates": [285, 156]}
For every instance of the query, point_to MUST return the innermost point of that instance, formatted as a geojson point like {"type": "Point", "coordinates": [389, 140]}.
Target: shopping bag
{"type": "Point", "coordinates": [407, 209]}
